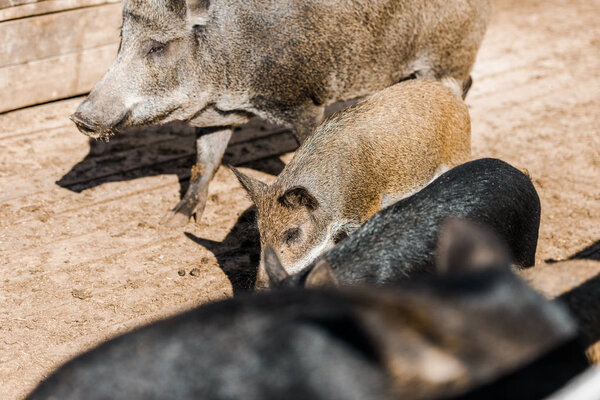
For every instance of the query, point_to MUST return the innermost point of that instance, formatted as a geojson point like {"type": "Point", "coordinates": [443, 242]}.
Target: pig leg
{"type": "Point", "coordinates": [210, 146]}
{"type": "Point", "coordinates": [306, 120]}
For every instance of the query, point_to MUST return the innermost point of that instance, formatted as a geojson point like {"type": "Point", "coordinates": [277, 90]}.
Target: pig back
{"type": "Point", "coordinates": [327, 51]}
{"type": "Point", "coordinates": [387, 146]}
{"type": "Point", "coordinates": [400, 240]}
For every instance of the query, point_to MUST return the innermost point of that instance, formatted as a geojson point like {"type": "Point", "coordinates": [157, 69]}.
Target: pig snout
{"type": "Point", "coordinates": [99, 119]}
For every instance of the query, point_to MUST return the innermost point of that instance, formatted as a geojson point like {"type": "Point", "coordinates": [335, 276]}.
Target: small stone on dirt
{"type": "Point", "coordinates": [81, 294]}
{"type": "Point", "coordinates": [181, 272]}
{"type": "Point", "coordinates": [195, 272]}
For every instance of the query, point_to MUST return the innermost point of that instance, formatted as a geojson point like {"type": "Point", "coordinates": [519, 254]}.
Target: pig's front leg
{"type": "Point", "coordinates": [210, 147]}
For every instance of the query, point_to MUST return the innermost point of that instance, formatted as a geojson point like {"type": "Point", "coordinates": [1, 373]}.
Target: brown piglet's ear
{"type": "Point", "coordinates": [254, 187]}
{"type": "Point", "coordinates": [321, 275]}
{"type": "Point", "coordinates": [277, 274]}
{"type": "Point", "coordinates": [299, 196]}
{"type": "Point", "coordinates": [464, 245]}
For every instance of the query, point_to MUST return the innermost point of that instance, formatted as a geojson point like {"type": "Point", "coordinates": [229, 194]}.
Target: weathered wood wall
{"type": "Point", "coordinates": [54, 49]}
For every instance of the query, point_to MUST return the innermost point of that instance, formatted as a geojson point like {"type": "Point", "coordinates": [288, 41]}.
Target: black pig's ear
{"type": "Point", "coordinates": [411, 342]}
{"type": "Point", "coordinates": [254, 187]}
{"type": "Point", "coordinates": [197, 12]}
{"type": "Point", "coordinates": [273, 267]}
{"type": "Point", "coordinates": [464, 245]}
{"type": "Point", "coordinates": [299, 196]}
{"type": "Point", "coordinates": [321, 275]}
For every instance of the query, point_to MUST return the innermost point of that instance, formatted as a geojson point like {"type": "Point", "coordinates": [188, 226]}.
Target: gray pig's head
{"type": "Point", "coordinates": [291, 222]}
{"type": "Point", "coordinates": [159, 74]}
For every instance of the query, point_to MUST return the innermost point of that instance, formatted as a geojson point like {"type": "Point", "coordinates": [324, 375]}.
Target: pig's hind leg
{"type": "Point", "coordinates": [304, 121]}
{"type": "Point", "coordinates": [210, 146]}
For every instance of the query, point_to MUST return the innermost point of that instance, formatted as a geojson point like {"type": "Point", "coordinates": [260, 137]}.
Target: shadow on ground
{"type": "Point", "coordinates": [170, 149]}
{"type": "Point", "coordinates": [591, 252]}
{"type": "Point", "coordinates": [239, 253]}
{"type": "Point", "coordinates": [134, 154]}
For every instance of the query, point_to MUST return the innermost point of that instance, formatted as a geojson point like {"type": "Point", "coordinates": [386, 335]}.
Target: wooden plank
{"type": "Point", "coordinates": [54, 78]}
{"type": "Point", "coordinates": [12, 3]}
{"type": "Point", "coordinates": [51, 35]}
{"type": "Point", "coordinates": [44, 117]}
{"type": "Point", "coordinates": [46, 7]}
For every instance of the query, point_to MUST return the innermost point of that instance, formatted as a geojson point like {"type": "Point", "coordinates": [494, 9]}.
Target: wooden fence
{"type": "Point", "coordinates": [54, 49]}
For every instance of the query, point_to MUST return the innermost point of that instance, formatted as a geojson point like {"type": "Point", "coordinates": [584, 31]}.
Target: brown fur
{"type": "Point", "coordinates": [361, 159]}
{"type": "Point", "coordinates": [576, 283]}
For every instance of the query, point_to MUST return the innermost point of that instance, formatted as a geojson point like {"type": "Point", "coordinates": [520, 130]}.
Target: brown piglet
{"type": "Point", "coordinates": [360, 160]}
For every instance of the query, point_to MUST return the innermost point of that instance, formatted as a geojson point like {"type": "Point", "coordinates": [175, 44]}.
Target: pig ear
{"type": "Point", "coordinates": [275, 270]}
{"type": "Point", "coordinates": [299, 196]}
{"type": "Point", "coordinates": [464, 245]}
{"type": "Point", "coordinates": [409, 341]}
{"type": "Point", "coordinates": [197, 12]}
{"type": "Point", "coordinates": [254, 187]}
{"type": "Point", "coordinates": [321, 276]}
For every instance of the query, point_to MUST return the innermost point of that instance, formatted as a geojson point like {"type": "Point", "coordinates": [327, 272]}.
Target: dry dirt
{"type": "Point", "coordinates": [82, 257]}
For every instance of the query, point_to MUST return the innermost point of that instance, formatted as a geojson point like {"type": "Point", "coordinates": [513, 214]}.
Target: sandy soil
{"type": "Point", "coordinates": [82, 257]}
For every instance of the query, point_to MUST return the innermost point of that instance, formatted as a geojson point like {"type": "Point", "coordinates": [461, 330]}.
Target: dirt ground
{"type": "Point", "coordinates": [82, 255]}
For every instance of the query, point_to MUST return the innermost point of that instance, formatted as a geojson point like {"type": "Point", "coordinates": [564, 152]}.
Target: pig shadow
{"type": "Point", "coordinates": [168, 149]}
{"type": "Point", "coordinates": [238, 254]}
{"type": "Point", "coordinates": [591, 252]}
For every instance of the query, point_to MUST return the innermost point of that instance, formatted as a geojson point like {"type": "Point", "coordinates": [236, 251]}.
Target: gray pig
{"type": "Point", "coordinates": [217, 63]}
{"type": "Point", "coordinates": [430, 337]}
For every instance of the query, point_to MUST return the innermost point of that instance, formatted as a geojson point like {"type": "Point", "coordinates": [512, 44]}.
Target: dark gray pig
{"type": "Point", "coordinates": [400, 241]}
{"type": "Point", "coordinates": [217, 63]}
{"type": "Point", "coordinates": [437, 335]}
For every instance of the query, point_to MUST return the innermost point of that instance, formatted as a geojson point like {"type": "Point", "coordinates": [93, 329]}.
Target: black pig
{"type": "Point", "coordinates": [400, 241]}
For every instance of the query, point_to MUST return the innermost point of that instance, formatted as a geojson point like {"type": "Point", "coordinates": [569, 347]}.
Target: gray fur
{"type": "Point", "coordinates": [220, 62]}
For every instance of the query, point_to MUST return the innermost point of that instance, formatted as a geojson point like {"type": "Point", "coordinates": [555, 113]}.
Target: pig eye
{"type": "Point", "coordinates": [341, 235]}
{"type": "Point", "coordinates": [156, 47]}
{"type": "Point", "coordinates": [291, 235]}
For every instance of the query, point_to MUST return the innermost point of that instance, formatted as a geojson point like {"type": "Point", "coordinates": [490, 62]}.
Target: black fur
{"type": "Point", "coordinates": [314, 344]}
{"type": "Point", "coordinates": [266, 347]}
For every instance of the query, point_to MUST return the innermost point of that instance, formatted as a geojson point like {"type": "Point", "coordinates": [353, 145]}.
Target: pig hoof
{"type": "Point", "coordinates": [174, 219]}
